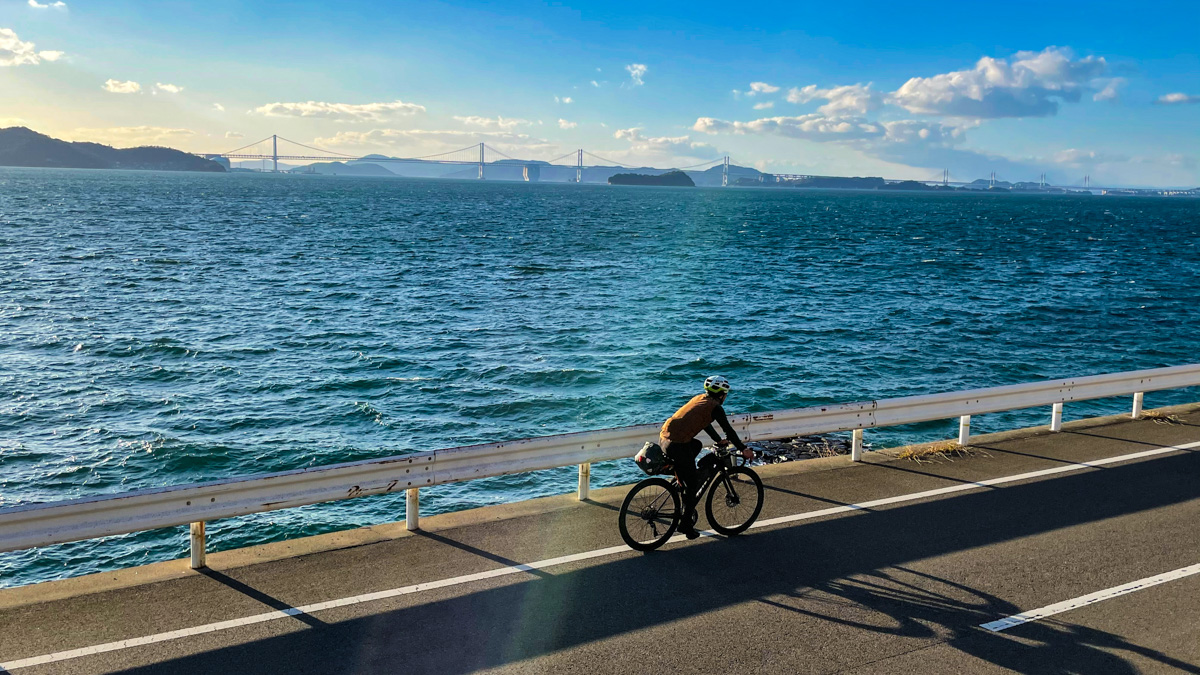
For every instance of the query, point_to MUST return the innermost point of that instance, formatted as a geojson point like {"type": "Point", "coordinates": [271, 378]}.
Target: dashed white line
{"type": "Point", "coordinates": [562, 560]}
{"type": "Point", "coordinates": [1090, 599]}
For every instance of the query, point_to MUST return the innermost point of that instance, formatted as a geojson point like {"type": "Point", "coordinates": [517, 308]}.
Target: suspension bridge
{"type": "Point", "coordinates": [480, 155]}
{"type": "Point", "coordinates": [483, 157]}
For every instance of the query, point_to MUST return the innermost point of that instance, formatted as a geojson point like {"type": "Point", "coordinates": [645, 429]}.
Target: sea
{"type": "Point", "coordinates": [161, 329]}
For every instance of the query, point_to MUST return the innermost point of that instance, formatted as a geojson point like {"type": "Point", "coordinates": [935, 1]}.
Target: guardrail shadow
{"type": "Point", "coordinates": [854, 558]}
{"type": "Point", "coordinates": [903, 602]}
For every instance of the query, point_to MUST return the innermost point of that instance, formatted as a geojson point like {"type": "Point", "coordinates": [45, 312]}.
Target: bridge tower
{"type": "Point", "coordinates": [579, 167]}
{"type": "Point", "coordinates": [725, 173]}
{"type": "Point", "coordinates": [481, 161]}
{"type": "Point", "coordinates": [945, 177]}
{"type": "Point", "coordinates": [275, 151]}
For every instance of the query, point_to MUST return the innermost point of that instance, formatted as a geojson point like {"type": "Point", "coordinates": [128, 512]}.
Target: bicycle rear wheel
{"type": "Point", "coordinates": [734, 501]}
{"type": "Point", "coordinates": [649, 514]}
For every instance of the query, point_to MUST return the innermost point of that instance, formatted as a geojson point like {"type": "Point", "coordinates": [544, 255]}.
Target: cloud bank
{"type": "Point", "coordinates": [1032, 84]}
{"type": "Point", "coordinates": [1178, 98]}
{"type": "Point", "coordinates": [121, 87]}
{"type": "Point", "coordinates": [342, 112]}
{"type": "Point", "coordinates": [15, 52]}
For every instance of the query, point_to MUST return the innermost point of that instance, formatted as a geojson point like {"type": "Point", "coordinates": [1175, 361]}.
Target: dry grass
{"type": "Point", "coordinates": [1162, 418]}
{"type": "Point", "coordinates": [933, 452]}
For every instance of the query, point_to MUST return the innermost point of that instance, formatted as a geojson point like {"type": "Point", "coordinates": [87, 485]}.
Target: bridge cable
{"type": "Point", "coordinates": [231, 152]}
{"type": "Point", "coordinates": [309, 147]}
{"type": "Point", "coordinates": [605, 159]}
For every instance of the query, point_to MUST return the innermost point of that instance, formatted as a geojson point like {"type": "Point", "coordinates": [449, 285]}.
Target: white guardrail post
{"type": "Point", "coordinates": [198, 556]}
{"type": "Point", "coordinates": [1056, 417]}
{"type": "Point", "coordinates": [412, 510]}
{"type": "Point", "coordinates": [31, 525]}
{"type": "Point", "coordinates": [964, 430]}
{"type": "Point", "coordinates": [1137, 405]}
{"type": "Point", "coordinates": [585, 480]}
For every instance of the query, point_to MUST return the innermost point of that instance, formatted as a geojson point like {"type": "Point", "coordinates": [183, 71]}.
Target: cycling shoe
{"type": "Point", "coordinates": [691, 533]}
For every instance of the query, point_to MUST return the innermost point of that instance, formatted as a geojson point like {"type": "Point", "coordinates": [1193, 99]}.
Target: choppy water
{"type": "Point", "coordinates": [158, 329]}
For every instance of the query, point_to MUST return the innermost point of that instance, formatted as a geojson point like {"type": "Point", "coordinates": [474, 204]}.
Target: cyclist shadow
{"type": "Point", "coordinates": [904, 603]}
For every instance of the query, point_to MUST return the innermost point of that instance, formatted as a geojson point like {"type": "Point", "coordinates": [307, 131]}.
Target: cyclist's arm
{"type": "Point", "coordinates": [713, 432]}
{"type": "Point", "coordinates": [719, 416]}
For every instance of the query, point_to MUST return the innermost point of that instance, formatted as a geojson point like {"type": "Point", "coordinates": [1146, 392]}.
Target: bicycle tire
{"type": "Point", "coordinates": [646, 511]}
{"type": "Point", "coordinates": [736, 488]}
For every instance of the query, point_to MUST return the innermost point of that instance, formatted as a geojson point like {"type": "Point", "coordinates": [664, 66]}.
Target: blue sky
{"type": "Point", "coordinates": [1110, 90]}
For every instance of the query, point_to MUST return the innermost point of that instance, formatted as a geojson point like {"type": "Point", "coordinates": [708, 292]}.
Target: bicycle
{"type": "Point", "coordinates": [651, 511]}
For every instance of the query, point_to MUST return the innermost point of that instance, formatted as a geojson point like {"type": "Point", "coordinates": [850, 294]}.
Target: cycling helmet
{"type": "Point", "coordinates": [716, 385]}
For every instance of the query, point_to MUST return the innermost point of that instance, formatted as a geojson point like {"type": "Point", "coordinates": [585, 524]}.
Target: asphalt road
{"type": "Point", "coordinates": [902, 587]}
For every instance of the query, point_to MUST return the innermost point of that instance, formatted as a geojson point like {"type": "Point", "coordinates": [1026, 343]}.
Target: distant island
{"type": "Point", "coordinates": [23, 147]}
{"type": "Point", "coordinates": [672, 178]}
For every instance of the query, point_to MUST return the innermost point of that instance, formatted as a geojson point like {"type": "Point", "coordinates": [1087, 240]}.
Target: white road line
{"type": "Point", "coordinates": [991, 482]}
{"type": "Point", "coordinates": [1090, 599]}
{"type": "Point", "coordinates": [552, 562]}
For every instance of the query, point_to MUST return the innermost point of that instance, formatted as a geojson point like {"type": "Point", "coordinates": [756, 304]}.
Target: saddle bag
{"type": "Point", "coordinates": [652, 460]}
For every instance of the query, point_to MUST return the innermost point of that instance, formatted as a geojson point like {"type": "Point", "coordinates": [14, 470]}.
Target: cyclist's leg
{"type": "Point", "coordinates": [683, 456]}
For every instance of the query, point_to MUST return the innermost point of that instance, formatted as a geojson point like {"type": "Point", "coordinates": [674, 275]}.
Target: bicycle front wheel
{"type": "Point", "coordinates": [649, 514]}
{"type": "Point", "coordinates": [735, 500]}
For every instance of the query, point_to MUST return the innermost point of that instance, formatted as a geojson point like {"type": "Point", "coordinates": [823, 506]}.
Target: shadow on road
{"type": "Point", "coordinates": [859, 558]}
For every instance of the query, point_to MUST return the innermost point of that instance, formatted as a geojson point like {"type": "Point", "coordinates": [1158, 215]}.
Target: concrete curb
{"type": "Point", "coordinates": [252, 555]}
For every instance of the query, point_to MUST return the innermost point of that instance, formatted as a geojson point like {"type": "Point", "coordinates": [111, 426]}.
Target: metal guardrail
{"type": "Point", "coordinates": [35, 525]}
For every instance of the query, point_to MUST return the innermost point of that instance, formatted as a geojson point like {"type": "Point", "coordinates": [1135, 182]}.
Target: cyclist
{"type": "Point", "coordinates": [680, 445]}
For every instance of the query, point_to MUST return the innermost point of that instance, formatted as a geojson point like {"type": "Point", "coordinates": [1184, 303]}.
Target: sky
{"type": "Point", "coordinates": [1107, 90]}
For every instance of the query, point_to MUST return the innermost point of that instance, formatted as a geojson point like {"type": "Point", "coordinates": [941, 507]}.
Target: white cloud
{"type": "Point", "coordinates": [345, 112]}
{"type": "Point", "coordinates": [56, 5]}
{"type": "Point", "coordinates": [1177, 98]}
{"type": "Point", "coordinates": [764, 105]}
{"type": "Point", "coordinates": [563, 124]}
{"type": "Point", "coordinates": [810, 127]}
{"type": "Point", "coordinates": [168, 88]}
{"type": "Point", "coordinates": [490, 122]}
{"type": "Point", "coordinates": [131, 136]}
{"type": "Point", "coordinates": [15, 52]}
{"type": "Point", "coordinates": [1032, 85]}
{"type": "Point", "coordinates": [761, 88]}
{"type": "Point", "coordinates": [914, 143]}
{"type": "Point", "coordinates": [659, 147]}
{"type": "Point", "coordinates": [419, 141]}
{"type": "Point", "coordinates": [846, 99]}
{"type": "Point", "coordinates": [595, 83]}
{"type": "Point", "coordinates": [1081, 158]}
{"type": "Point", "coordinates": [1109, 92]}
{"type": "Point", "coordinates": [218, 107]}
{"type": "Point", "coordinates": [564, 99]}
{"type": "Point", "coordinates": [119, 87]}
{"type": "Point", "coordinates": [234, 134]}
{"type": "Point", "coordinates": [636, 72]}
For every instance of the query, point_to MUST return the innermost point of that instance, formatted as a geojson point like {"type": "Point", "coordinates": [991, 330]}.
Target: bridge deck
{"type": "Point", "coordinates": [891, 587]}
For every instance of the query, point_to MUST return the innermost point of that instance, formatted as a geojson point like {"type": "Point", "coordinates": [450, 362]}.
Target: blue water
{"type": "Point", "coordinates": [159, 329]}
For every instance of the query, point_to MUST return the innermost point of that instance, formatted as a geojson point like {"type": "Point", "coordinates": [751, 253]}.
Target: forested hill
{"type": "Point", "coordinates": [22, 147]}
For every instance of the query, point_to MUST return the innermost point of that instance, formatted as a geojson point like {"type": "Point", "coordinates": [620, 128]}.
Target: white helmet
{"type": "Point", "coordinates": [716, 385]}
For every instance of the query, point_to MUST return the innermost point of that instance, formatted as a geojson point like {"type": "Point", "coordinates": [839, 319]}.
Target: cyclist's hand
{"type": "Point", "coordinates": [748, 454]}
{"type": "Point", "coordinates": [723, 443]}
